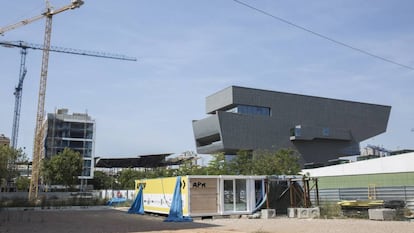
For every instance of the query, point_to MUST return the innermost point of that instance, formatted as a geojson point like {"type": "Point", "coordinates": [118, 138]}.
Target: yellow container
{"type": "Point", "coordinates": [203, 195]}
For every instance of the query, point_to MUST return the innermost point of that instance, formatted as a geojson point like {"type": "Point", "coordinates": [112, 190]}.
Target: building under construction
{"type": "Point", "coordinates": [75, 131]}
{"type": "Point", "coordinates": [4, 141]}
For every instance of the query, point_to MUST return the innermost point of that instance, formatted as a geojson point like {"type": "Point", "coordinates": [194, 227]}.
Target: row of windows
{"type": "Point", "coordinates": [70, 134]}
{"type": "Point", "coordinates": [51, 151]}
{"type": "Point", "coordinates": [68, 143]}
{"type": "Point", "coordinates": [297, 132]}
{"type": "Point", "coordinates": [250, 110]}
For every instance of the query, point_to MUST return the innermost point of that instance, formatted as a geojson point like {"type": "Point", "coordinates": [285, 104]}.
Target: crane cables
{"type": "Point", "coordinates": [280, 19]}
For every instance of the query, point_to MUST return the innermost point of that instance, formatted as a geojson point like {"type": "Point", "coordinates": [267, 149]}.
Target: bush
{"type": "Point", "coordinates": [15, 202]}
{"type": "Point", "coordinates": [330, 210]}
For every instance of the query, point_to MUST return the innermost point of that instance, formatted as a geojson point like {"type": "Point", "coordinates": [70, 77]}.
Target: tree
{"type": "Point", "coordinates": [189, 168]}
{"type": "Point", "coordinates": [128, 176]}
{"type": "Point", "coordinates": [101, 180]}
{"type": "Point", "coordinates": [159, 172]}
{"type": "Point", "coordinates": [8, 157]}
{"type": "Point", "coordinates": [288, 162]}
{"type": "Point", "coordinates": [4, 161]}
{"type": "Point", "coordinates": [63, 168]}
{"type": "Point", "coordinates": [281, 162]}
{"type": "Point", "coordinates": [218, 165]}
{"type": "Point", "coordinates": [22, 183]}
{"type": "Point", "coordinates": [242, 164]}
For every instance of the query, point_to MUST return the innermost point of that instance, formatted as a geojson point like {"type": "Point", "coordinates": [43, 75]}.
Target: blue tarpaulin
{"type": "Point", "coordinates": [137, 206]}
{"type": "Point", "coordinates": [116, 200]}
{"type": "Point", "coordinates": [176, 209]}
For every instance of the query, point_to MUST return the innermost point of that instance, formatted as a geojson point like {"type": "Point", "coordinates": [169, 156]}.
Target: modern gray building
{"type": "Point", "coordinates": [74, 131]}
{"type": "Point", "coordinates": [320, 129]}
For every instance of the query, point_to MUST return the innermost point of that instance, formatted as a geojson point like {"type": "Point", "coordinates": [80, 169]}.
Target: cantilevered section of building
{"type": "Point", "coordinates": [320, 129]}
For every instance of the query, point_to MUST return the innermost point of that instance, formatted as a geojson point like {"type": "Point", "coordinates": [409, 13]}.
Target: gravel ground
{"type": "Point", "coordinates": [117, 221]}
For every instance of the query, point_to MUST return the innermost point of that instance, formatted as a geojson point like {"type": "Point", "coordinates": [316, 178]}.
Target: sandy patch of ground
{"type": "Point", "coordinates": [112, 221]}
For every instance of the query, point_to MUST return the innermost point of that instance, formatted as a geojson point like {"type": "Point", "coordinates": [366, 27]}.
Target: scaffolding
{"type": "Point", "coordinates": [300, 189]}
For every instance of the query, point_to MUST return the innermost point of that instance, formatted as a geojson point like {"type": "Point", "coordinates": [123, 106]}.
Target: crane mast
{"type": "Point", "coordinates": [18, 98]}
{"type": "Point", "coordinates": [38, 145]}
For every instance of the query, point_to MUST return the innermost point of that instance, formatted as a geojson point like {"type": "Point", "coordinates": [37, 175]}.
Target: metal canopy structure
{"type": "Point", "coordinates": [141, 161]}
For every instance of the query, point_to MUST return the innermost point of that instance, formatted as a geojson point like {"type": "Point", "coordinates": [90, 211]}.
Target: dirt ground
{"type": "Point", "coordinates": [101, 220]}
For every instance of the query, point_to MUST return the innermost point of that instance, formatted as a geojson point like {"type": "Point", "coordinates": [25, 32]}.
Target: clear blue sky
{"type": "Point", "coordinates": [188, 50]}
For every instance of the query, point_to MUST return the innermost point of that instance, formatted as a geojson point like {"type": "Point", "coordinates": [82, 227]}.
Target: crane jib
{"type": "Point", "coordinates": [58, 49]}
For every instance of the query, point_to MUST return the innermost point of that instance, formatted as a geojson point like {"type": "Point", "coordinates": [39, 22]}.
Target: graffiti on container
{"type": "Point", "coordinates": [199, 185]}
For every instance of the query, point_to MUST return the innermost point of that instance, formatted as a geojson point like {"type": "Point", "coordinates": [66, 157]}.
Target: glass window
{"type": "Point", "coordinates": [295, 132]}
{"type": "Point", "coordinates": [298, 132]}
{"type": "Point", "coordinates": [233, 110]}
{"type": "Point", "coordinates": [250, 110]}
{"type": "Point", "coordinates": [325, 132]}
{"type": "Point", "coordinates": [86, 171]}
{"type": "Point", "coordinates": [87, 163]}
{"type": "Point", "coordinates": [235, 195]}
{"type": "Point", "coordinates": [240, 202]}
{"type": "Point", "coordinates": [228, 195]}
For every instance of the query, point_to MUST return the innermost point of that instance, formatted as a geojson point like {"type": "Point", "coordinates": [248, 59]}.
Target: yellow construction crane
{"type": "Point", "coordinates": [38, 140]}
{"type": "Point", "coordinates": [48, 14]}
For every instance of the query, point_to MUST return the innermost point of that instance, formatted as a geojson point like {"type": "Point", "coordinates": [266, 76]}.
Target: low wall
{"type": "Point", "coordinates": [102, 194]}
{"type": "Point", "coordinates": [48, 195]}
{"type": "Point", "coordinates": [110, 193]}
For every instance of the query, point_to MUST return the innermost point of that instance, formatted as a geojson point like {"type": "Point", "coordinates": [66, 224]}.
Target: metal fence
{"type": "Point", "coordinates": [381, 193]}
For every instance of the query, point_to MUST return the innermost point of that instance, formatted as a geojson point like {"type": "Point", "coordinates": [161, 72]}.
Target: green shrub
{"type": "Point", "coordinates": [330, 210]}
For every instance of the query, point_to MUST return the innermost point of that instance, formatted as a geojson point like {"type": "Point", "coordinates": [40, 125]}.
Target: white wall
{"type": "Point", "coordinates": [110, 193]}
{"type": "Point", "coordinates": [390, 164]}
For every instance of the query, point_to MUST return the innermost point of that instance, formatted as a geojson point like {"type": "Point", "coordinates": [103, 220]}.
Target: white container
{"type": "Point", "coordinates": [381, 214]}
{"type": "Point", "coordinates": [268, 213]}
{"type": "Point", "coordinates": [292, 212]}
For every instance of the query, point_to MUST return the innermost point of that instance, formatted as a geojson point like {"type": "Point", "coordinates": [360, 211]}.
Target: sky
{"type": "Point", "coordinates": [189, 49]}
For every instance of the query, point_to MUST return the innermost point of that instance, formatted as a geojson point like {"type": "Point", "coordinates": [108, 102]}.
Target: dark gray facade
{"type": "Point", "coordinates": [320, 129]}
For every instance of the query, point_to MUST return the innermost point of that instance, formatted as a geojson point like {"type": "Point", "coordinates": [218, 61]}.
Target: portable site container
{"type": "Point", "coordinates": [205, 195]}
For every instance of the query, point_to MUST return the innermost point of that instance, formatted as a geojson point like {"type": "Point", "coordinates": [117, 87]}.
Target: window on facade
{"type": "Point", "coordinates": [325, 132]}
{"type": "Point", "coordinates": [295, 132]}
{"type": "Point", "coordinates": [86, 171]}
{"type": "Point", "coordinates": [250, 110]}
